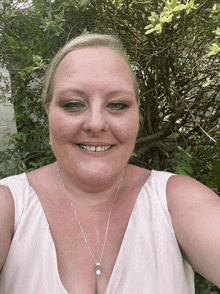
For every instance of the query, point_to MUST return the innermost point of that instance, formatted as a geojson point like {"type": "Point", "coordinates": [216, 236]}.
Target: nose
{"type": "Point", "coordinates": [96, 120]}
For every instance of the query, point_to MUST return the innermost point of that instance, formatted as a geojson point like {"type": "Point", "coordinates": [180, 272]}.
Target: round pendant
{"type": "Point", "coordinates": [98, 269]}
{"type": "Point", "coordinates": [98, 272]}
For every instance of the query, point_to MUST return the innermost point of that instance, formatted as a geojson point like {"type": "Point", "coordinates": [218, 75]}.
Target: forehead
{"type": "Point", "coordinates": [88, 55]}
{"type": "Point", "coordinates": [99, 64]}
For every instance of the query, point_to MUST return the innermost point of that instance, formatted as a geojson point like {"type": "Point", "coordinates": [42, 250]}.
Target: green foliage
{"type": "Point", "coordinates": [215, 18]}
{"type": "Point", "coordinates": [202, 163]}
{"type": "Point", "coordinates": [134, 154]}
{"type": "Point", "coordinates": [171, 9]}
{"type": "Point", "coordinates": [209, 173]}
{"type": "Point", "coordinates": [29, 39]}
{"type": "Point", "coordinates": [182, 162]}
{"type": "Point", "coordinates": [25, 152]}
{"type": "Point", "coordinates": [215, 47]}
{"type": "Point", "coordinates": [203, 286]}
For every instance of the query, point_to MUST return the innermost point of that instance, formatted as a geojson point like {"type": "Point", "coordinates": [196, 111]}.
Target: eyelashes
{"type": "Point", "coordinates": [118, 106]}
{"type": "Point", "coordinates": [75, 106]}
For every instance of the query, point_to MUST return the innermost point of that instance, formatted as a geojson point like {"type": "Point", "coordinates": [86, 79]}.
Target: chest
{"type": "Point", "coordinates": [80, 243]}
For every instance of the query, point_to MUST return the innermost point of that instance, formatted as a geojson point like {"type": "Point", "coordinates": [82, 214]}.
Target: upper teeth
{"type": "Point", "coordinates": [96, 148]}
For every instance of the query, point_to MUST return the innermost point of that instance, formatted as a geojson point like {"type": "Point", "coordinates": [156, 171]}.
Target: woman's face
{"type": "Point", "coordinates": [93, 115]}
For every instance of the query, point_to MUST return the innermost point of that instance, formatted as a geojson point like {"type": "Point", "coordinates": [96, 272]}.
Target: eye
{"type": "Point", "coordinates": [73, 106]}
{"type": "Point", "coordinates": [118, 106]}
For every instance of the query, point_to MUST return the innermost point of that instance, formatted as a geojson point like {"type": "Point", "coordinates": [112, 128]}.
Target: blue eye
{"type": "Point", "coordinates": [118, 106]}
{"type": "Point", "coordinates": [73, 106]}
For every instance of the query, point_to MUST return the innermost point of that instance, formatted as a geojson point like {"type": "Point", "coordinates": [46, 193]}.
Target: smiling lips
{"type": "Point", "coordinates": [95, 148]}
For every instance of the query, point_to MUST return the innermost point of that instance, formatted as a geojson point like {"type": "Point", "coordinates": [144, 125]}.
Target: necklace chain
{"type": "Point", "coordinates": [97, 264]}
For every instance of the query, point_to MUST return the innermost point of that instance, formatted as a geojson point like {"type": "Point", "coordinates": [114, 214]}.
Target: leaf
{"type": "Point", "coordinates": [24, 138]}
{"type": "Point", "coordinates": [188, 154]}
{"type": "Point", "coordinates": [83, 3]}
{"type": "Point", "coordinates": [179, 7]}
{"type": "Point", "coordinates": [154, 15]}
{"type": "Point", "coordinates": [149, 31]}
{"type": "Point", "coordinates": [6, 130]}
{"type": "Point", "coordinates": [214, 7]}
{"type": "Point", "coordinates": [149, 27]}
{"type": "Point", "coordinates": [200, 149]}
{"type": "Point", "coordinates": [166, 19]}
{"type": "Point", "coordinates": [217, 32]}
{"type": "Point", "coordinates": [214, 49]}
{"type": "Point", "coordinates": [18, 136]}
{"type": "Point", "coordinates": [158, 28]}
{"type": "Point", "coordinates": [217, 166]}
{"type": "Point", "coordinates": [181, 171]}
{"type": "Point", "coordinates": [180, 148]}
{"type": "Point", "coordinates": [33, 164]}
{"type": "Point", "coordinates": [208, 153]}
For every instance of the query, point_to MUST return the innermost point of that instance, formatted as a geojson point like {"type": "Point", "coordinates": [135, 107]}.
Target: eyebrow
{"type": "Point", "coordinates": [84, 94]}
{"type": "Point", "coordinates": [71, 91]}
{"type": "Point", "coordinates": [122, 91]}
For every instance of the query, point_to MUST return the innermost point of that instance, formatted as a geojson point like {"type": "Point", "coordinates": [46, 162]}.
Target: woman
{"type": "Point", "coordinates": [90, 222]}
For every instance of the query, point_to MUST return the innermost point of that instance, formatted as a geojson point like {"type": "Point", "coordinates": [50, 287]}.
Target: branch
{"type": "Point", "coordinates": [166, 130]}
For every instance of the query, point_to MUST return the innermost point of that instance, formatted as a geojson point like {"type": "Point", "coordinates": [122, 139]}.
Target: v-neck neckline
{"type": "Point", "coordinates": [121, 246]}
{"type": "Point", "coordinates": [116, 265]}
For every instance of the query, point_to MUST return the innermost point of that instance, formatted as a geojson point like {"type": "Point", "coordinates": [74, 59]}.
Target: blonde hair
{"type": "Point", "coordinates": [83, 41]}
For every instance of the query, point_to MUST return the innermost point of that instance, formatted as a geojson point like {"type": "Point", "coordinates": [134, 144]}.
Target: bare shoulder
{"type": "Point", "coordinates": [6, 198]}
{"type": "Point", "coordinates": [138, 171]}
{"type": "Point", "coordinates": [6, 207]}
{"type": "Point", "coordinates": [137, 175]}
{"type": "Point", "coordinates": [184, 192]}
{"type": "Point", "coordinates": [7, 217]}
{"type": "Point", "coordinates": [195, 213]}
{"type": "Point", "coordinates": [41, 177]}
{"type": "Point", "coordinates": [42, 172]}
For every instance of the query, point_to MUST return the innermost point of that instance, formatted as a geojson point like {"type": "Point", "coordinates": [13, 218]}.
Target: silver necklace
{"type": "Point", "coordinates": [98, 270]}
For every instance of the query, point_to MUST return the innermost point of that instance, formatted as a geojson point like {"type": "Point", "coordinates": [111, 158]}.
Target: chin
{"type": "Point", "coordinates": [98, 171]}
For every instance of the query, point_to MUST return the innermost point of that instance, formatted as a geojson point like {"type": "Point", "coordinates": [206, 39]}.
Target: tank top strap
{"type": "Point", "coordinates": [20, 190]}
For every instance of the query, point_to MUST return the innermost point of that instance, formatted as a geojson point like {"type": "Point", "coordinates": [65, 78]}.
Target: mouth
{"type": "Point", "coordinates": [95, 148]}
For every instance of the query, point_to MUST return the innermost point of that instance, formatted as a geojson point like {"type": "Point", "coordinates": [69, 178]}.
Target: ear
{"type": "Point", "coordinates": [48, 108]}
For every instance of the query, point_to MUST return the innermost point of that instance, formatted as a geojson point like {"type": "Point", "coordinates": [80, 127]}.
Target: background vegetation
{"type": "Point", "coordinates": [174, 48]}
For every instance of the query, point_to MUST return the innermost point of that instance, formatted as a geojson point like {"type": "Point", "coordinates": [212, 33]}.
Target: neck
{"type": "Point", "coordinates": [95, 193]}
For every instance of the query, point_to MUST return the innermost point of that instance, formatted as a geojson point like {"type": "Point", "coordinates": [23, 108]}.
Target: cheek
{"type": "Point", "coordinates": [130, 129]}
{"type": "Point", "coordinates": [60, 129]}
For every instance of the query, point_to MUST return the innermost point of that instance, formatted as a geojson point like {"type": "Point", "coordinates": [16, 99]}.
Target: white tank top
{"type": "Point", "coordinates": [149, 260]}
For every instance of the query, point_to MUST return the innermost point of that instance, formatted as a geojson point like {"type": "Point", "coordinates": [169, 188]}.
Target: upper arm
{"type": "Point", "coordinates": [6, 222]}
{"type": "Point", "coordinates": [195, 212]}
